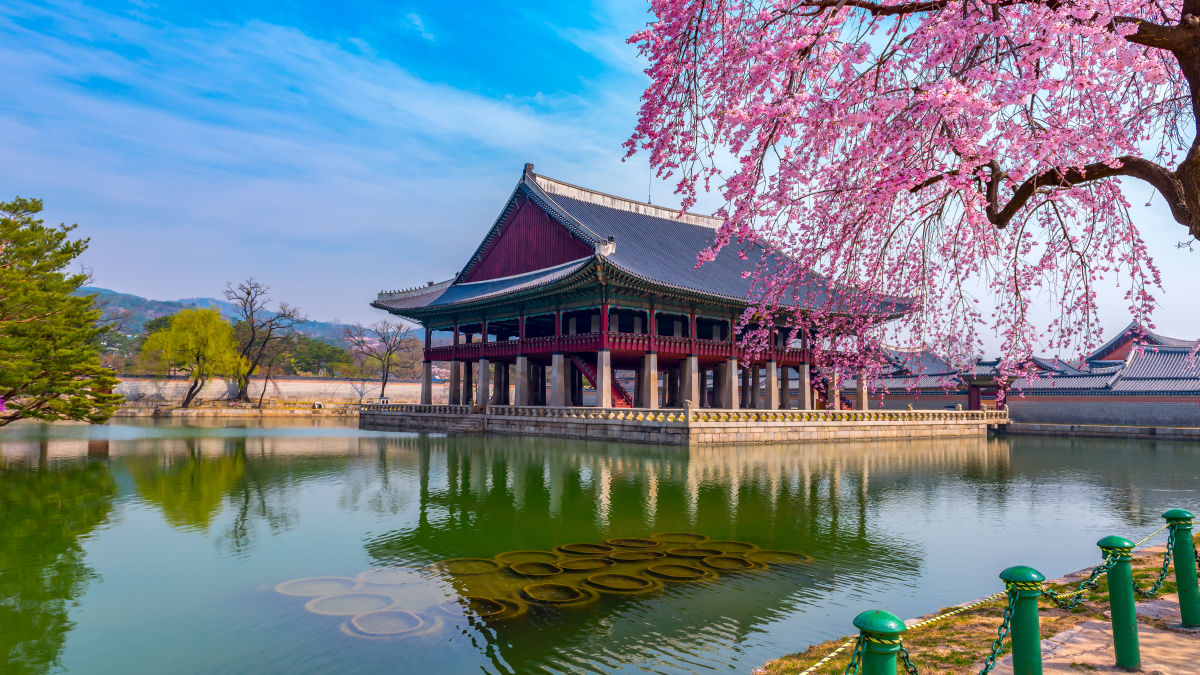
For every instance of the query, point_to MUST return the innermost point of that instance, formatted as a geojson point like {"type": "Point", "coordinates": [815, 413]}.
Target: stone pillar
{"type": "Point", "coordinates": [483, 390]}
{"type": "Point", "coordinates": [804, 388]}
{"type": "Point", "coordinates": [732, 397]}
{"type": "Point", "coordinates": [745, 389]}
{"type": "Point", "coordinates": [523, 382]}
{"type": "Point", "coordinates": [558, 381]}
{"type": "Point", "coordinates": [603, 379]}
{"type": "Point", "coordinates": [771, 395]}
{"type": "Point", "coordinates": [426, 383]}
{"type": "Point", "coordinates": [672, 383]}
{"type": "Point", "coordinates": [755, 388]}
{"type": "Point", "coordinates": [834, 395]}
{"type": "Point", "coordinates": [455, 394]}
{"type": "Point", "coordinates": [785, 390]}
{"type": "Point", "coordinates": [468, 384]}
{"type": "Point", "coordinates": [860, 393]}
{"type": "Point", "coordinates": [649, 381]}
{"type": "Point", "coordinates": [691, 381]}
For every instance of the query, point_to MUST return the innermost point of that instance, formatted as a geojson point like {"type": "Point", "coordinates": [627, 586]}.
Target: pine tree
{"type": "Point", "coordinates": [49, 338]}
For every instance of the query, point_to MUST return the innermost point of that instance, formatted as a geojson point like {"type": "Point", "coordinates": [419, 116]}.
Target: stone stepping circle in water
{"type": "Point", "coordinates": [693, 552]}
{"type": "Point", "coordinates": [632, 542]}
{"type": "Point", "coordinates": [556, 594]}
{"type": "Point", "coordinates": [535, 569]}
{"type": "Point", "coordinates": [389, 622]}
{"type": "Point", "coordinates": [312, 587]}
{"type": "Point", "coordinates": [677, 572]}
{"type": "Point", "coordinates": [678, 537]}
{"type": "Point", "coordinates": [726, 546]}
{"type": "Point", "coordinates": [347, 604]}
{"type": "Point", "coordinates": [622, 583]}
{"type": "Point", "coordinates": [510, 557]}
{"type": "Point", "coordinates": [585, 549]}
{"type": "Point", "coordinates": [636, 556]}
{"type": "Point", "coordinates": [474, 605]}
{"type": "Point", "coordinates": [731, 563]}
{"type": "Point", "coordinates": [584, 564]}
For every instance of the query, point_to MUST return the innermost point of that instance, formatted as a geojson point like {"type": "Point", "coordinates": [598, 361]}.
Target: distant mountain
{"type": "Point", "coordinates": [142, 310]}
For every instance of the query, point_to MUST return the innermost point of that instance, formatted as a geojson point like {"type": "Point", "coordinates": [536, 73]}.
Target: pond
{"type": "Point", "coordinates": [304, 548]}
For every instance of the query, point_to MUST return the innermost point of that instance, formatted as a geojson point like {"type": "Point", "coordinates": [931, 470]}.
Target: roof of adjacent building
{"type": "Point", "coordinates": [652, 243]}
{"type": "Point", "coordinates": [1136, 334]}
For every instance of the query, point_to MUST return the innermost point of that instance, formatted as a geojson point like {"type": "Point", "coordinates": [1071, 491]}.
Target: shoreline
{"type": "Point", "coordinates": [959, 644]}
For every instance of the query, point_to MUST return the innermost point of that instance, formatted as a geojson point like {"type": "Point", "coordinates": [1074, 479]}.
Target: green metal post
{"type": "Point", "coordinates": [1184, 552]}
{"type": "Point", "coordinates": [1120, 601]}
{"type": "Point", "coordinates": [1025, 583]}
{"type": "Point", "coordinates": [880, 632]}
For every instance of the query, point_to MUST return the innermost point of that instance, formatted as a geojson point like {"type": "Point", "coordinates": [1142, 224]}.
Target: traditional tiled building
{"type": "Point", "coordinates": [572, 285]}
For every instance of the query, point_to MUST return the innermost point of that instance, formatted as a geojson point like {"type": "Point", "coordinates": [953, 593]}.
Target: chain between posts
{"type": "Point", "coordinates": [1075, 597]}
{"type": "Point", "coordinates": [1001, 635]}
{"type": "Point", "coordinates": [1162, 574]}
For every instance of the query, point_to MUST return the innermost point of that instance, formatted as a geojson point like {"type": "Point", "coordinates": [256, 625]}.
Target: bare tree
{"type": "Point", "coordinates": [386, 344]}
{"type": "Point", "coordinates": [257, 327]}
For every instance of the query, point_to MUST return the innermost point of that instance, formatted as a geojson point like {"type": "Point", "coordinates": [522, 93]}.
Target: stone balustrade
{"type": "Point", "coordinates": [684, 426]}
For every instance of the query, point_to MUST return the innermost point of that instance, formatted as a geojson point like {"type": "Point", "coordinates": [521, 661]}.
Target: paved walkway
{"type": "Point", "coordinates": [1088, 647]}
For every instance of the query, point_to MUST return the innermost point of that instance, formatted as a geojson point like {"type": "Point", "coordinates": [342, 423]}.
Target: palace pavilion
{"type": "Point", "coordinates": [572, 286]}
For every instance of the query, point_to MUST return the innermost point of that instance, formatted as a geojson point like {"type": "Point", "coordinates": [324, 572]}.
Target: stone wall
{"type": "Point", "coordinates": [146, 390]}
{"type": "Point", "coordinates": [1154, 411]}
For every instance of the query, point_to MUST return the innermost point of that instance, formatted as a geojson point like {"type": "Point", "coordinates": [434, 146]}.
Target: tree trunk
{"type": "Point", "coordinates": [193, 390]}
{"type": "Point", "coordinates": [383, 386]}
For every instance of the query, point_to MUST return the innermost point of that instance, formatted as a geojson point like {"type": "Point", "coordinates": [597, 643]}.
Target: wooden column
{"type": "Point", "coordinates": [804, 388]}
{"type": "Point", "coordinates": [771, 395]}
{"type": "Point", "coordinates": [427, 371]}
{"type": "Point", "coordinates": [649, 381]}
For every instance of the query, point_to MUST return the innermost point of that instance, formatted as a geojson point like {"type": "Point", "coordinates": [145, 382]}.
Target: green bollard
{"type": "Point", "coordinates": [1025, 583]}
{"type": "Point", "coordinates": [1184, 552]}
{"type": "Point", "coordinates": [880, 632]}
{"type": "Point", "coordinates": [1120, 602]}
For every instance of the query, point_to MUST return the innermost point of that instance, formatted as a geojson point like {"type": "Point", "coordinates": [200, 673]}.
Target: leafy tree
{"type": "Point", "coordinates": [198, 342]}
{"type": "Point", "coordinates": [258, 327]}
{"type": "Point", "coordinates": [317, 357]}
{"type": "Point", "coordinates": [928, 148]}
{"type": "Point", "coordinates": [385, 347]}
{"type": "Point", "coordinates": [157, 324]}
{"type": "Point", "coordinates": [49, 338]}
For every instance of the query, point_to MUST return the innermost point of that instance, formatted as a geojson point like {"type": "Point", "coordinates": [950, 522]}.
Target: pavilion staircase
{"type": "Point", "coordinates": [620, 397]}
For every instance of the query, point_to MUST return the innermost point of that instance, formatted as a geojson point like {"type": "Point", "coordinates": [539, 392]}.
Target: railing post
{"type": "Point", "coordinates": [879, 632]}
{"type": "Point", "coordinates": [1121, 602]}
{"type": "Point", "coordinates": [1184, 552]}
{"type": "Point", "coordinates": [1025, 585]}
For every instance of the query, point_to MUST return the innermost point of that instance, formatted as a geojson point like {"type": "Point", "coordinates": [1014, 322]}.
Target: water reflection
{"type": "Point", "coordinates": [45, 514]}
{"type": "Point", "coordinates": [910, 526]}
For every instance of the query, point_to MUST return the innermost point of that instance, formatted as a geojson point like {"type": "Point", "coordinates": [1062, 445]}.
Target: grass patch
{"type": "Point", "coordinates": [959, 643]}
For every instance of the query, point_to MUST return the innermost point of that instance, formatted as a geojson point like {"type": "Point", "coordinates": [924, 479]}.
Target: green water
{"type": "Point", "coordinates": [158, 548]}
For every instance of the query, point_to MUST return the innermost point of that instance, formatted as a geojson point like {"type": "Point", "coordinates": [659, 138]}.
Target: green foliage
{"type": "Point", "coordinates": [50, 339]}
{"type": "Point", "coordinates": [198, 342]}
{"type": "Point", "coordinates": [157, 324]}
{"type": "Point", "coordinates": [189, 489]}
{"type": "Point", "coordinates": [317, 357]}
{"type": "Point", "coordinates": [42, 570]}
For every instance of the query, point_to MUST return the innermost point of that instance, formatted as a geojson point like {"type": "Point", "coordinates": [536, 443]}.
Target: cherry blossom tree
{"type": "Point", "coordinates": [968, 156]}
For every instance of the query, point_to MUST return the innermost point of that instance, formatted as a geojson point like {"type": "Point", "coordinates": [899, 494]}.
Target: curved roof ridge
{"type": "Point", "coordinates": [553, 186]}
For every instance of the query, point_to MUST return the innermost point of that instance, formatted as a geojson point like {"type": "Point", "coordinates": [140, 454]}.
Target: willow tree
{"type": "Point", "coordinates": [940, 151]}
{"type": "Point", "coordinates": [198, 342]}
{"type": "Point", "coordinates": [49, 336]}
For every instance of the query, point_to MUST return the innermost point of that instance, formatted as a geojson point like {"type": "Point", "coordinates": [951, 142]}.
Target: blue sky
{"type": "Point", "coordinates": [333, 150]}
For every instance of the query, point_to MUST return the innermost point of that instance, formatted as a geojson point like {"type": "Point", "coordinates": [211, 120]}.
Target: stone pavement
{"type": "Point", "coordinates": [1088, 647]}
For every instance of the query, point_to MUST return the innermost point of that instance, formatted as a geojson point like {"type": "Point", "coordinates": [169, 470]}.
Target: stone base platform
{"type": "Point", "coordinates": [688, 426]}
{"type": "Point", "coordinates": [1105, 431]}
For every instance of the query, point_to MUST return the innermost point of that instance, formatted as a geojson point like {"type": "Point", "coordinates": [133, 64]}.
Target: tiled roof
{"type": "Point", "coordinates": [1146, 337]}
{"type": "Point", "coordinates": [448, 294]}
{"type": "Point", "coordinates": [1162, 362]}
{"type": "Point", "coordinates": [1150, 385]}
{"type": "Point", "coordinates": [651, 243]}
{"type": "Point", "coordinates": [916, 362]}
{"type": "Point", "coordinates": [1063, 382]}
